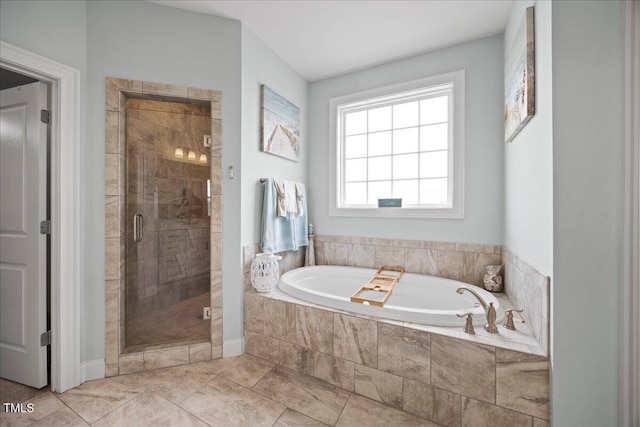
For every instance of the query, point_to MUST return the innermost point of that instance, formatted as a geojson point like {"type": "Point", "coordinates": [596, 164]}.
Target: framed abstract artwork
{"type": "Point", "coordinates": [519, 79]}
{"type": "Point", "coordinates": [280, 123]}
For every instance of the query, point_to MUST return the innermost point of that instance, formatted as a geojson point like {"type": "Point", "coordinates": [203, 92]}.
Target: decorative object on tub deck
{"type": "Point", "coordinates": [379, 283]}
{"type": "Point", "coordinates": [519, 90]}
{"type": "Point", "coordinates": [280, 125]}
{"type": "Point", "coordinates": [492, 279]}
{"type": "Point", "coordinates": [508, 323]}
{"type": "Point", "coordinates": [265, 272]}
{"type": "Point", "coordinates": [280, 233]}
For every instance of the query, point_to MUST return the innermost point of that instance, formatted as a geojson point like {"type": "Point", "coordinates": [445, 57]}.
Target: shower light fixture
{"type": "Point", "coordinates": [179, 153]}
{"type": "Point", "coordinates": [203, 158]}
{"type": "Point", "coordinates": [192, 155]}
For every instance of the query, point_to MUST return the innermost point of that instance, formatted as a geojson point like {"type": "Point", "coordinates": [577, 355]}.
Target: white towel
{"type": "Point", "coordinates": [281, 199]}
{"type": "Point", "coordinates": [299, 198]}
{"type": "Point", "coordinates": [289, 198]}
{"type": "Point", "coordinates": [278, 233]}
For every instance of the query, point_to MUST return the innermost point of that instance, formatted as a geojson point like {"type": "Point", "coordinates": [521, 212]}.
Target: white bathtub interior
{"type": "Point", "coordinates": [416, 298]}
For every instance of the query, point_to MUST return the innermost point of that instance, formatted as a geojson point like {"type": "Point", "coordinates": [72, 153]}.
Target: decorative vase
{"type": "Point", "coordinates": [265, 272]}
{"type": "Point", "coordinates": [492, 279]}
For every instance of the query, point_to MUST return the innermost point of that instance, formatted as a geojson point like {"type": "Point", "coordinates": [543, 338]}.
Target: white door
{"type": "Point", "coordinates": [23, 250]}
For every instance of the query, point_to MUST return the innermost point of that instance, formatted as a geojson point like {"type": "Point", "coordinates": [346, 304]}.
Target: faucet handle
{"type": "Point", "coordinates": [468, 327]}
{"type": "Point", "coordinates": [508, 323]}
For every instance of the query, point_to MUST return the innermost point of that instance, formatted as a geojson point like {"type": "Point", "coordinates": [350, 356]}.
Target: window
{"type": "Point", "coordinates": [405, 141]}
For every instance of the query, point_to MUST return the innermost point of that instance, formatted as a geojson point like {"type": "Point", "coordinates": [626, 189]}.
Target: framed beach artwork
{"type": "Point", "coordinates": [519, 89]}
{"type": "Point", "coordinates": [280, 125]}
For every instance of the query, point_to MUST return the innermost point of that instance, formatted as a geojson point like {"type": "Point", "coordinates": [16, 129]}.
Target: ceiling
{"type": "Point", "coordinates": [9, 79]}
{"type": "Point", "coordinates": [320, 39]}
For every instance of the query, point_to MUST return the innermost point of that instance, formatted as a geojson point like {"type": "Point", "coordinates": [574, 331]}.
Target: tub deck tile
{"type": "Point", "coordinates": [464, 368]}
{"type": "Point", "coordinates": [432, 403]}
{"type": "Point", "coordinates": [333, 370]}
{"type": "Point", "coordinates": [298, 358]}
{"type": "Point", "coordinates": [280, 320]}
{"type": "Point", "coordinates": [355, 339]}
{"type": "Point", "coordinates": [522, 382]}
{"type": "Point", "coordinates": [476, 413]}
{"type": "Point", "coordinates": [379, 385]}
{"type": "Point", "coordinates": [314, 329]}
{"type": "Point", "coordinates": [404, 352]}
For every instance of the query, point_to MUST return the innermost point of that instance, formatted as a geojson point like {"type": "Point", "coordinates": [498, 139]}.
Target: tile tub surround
{"type": "Point", "coordinates": [524, 286]}
{"type": "Point", "coordinates": [443, 379]}
{"type": "Point", "coordinates": [528, 288]}
{"type": "Point", "coordinates": [458, 261]}
{"type": "Point", "coordinates": [520, 340]}
{"type": "Point", "coordinates": [118, 92]}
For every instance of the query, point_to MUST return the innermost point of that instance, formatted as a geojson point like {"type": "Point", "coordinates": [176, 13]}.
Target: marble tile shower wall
{"type": "Point", "coordinates": [528, 288]}
{"type": "Point", "coordinates": [441, 379]}
{"type": "Point", "coordinates": [171, 263]}
{"type": "Point", "coordinates": [458, 261]}
{"type": "Point", "coordinates": [117, 93]}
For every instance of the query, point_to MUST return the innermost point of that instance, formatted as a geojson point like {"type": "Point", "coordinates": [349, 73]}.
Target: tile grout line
{"type": "Point", "coordinates": [180, 407]}
{"type": "Point", "coordinates": [114, 409]}
{"type": "Point", "coordinates": [343, 407]}
{"type": "Point", "coordinates": [279, 416]}
{"type": "Point", "coordinates": [71, 409]}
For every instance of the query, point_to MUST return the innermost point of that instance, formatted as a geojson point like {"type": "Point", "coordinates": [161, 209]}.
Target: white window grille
{"type": "Point", "coordinates": [405, 141]}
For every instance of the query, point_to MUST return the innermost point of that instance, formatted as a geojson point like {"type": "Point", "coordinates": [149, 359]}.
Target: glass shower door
{"type": "Point", "coordinates": [167, 245]}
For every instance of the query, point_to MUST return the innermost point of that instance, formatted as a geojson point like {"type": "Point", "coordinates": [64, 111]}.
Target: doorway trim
{"type": "Point", "coordinates": [65, 179]}
{"type": "Point", "coordinates": [629, 371]}
{"type": "Point", "coordinates": [118, 360]}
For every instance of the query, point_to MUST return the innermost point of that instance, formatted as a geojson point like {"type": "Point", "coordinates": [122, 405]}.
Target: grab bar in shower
{"type": "Point", "coordinates": [138, 227]}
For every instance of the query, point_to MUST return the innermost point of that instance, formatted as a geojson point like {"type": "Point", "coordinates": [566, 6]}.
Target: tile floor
{"type": "Point", "coordinates": [236, 391]}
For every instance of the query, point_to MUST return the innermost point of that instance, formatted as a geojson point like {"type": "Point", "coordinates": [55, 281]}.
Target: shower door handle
{"type": "Point", "coordinates": [138, 227]}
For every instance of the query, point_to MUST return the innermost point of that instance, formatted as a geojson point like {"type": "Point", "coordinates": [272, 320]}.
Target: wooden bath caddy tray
{"type": "Point", "coordinates": [383, 283]}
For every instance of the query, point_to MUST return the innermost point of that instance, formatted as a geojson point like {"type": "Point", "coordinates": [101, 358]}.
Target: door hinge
{"type": "Point", "coordinates": [45, 338]}
{"type": "Point", "coordinates": [45, 116]}
{"type": "Point", "coordinates": [45, 227]}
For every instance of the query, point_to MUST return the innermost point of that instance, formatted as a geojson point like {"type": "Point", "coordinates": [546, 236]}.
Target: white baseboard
{"type": "Point", "coordinates": [233, 347]}
{"type": "Point", "coordinates": [92, 370]}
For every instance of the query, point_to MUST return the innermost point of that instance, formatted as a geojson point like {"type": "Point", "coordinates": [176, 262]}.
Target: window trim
{"type": "Point", "coordinates": [457, 120]}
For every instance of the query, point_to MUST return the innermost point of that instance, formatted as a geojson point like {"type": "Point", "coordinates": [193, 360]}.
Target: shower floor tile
{"type": "Point", "coordinates": [178, 322]}
{"type": "Point", "coordinates": [241, 390]}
